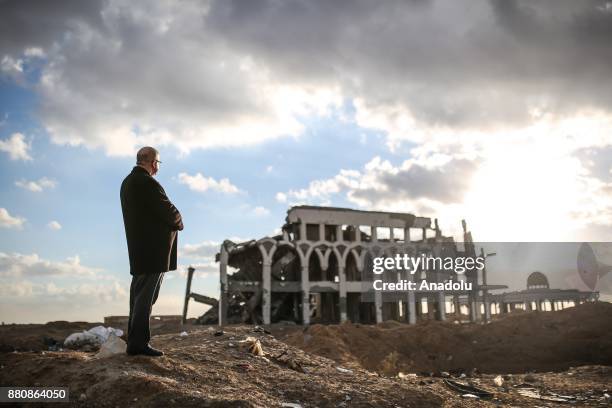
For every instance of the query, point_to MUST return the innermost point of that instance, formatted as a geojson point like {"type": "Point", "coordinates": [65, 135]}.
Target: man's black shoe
{"type": "Point", "coordinates": [147, 351]}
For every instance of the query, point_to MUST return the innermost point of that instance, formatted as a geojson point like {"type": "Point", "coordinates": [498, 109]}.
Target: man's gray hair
{"type": "Point", "coordinates": [146, 155]}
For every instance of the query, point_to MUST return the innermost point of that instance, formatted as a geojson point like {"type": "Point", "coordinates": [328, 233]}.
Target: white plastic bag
{"type": "Point", "coordinates": [95, 336]}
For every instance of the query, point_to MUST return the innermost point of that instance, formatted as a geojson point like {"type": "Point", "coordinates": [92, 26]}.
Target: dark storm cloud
{"type": "Point", "coordinates": [184, 68]}
{"type": "Point", "coordinates": [445, 184]}
{"type": "Point", "coordinates": [450, 62]}
{"type": "Point", "coordinates": [35, 23]}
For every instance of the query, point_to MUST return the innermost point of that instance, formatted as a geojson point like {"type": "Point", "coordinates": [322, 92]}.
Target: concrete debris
{"type": "Point", "coordinates": [183, 334]}
{"type": "Point", "coordinates": [252, 345]}
{"type": "Point", "coordinates": [112, 346]}
{"type": "Point", "coordinates": [498, 381]}
{"type": "Point", "coordinates": [344, 370]}
{"type": "Point", "coordinates": [467, 389]}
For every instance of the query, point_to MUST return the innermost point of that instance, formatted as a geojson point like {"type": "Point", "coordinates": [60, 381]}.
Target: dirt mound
{"type": "Point", "coordinates": [517, 343]}
{"type": "Point", "coordinates": [38, 337]}
{"type": "Point", "coordinates": [205, 370]}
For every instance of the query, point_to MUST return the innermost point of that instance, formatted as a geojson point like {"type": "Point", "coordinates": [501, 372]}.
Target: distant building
{"type": "Point", "coordinates": [539, 296]}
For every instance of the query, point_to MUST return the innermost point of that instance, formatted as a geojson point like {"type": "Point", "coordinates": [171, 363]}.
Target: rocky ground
{"type": "Point", "coordinates": [313, 368]}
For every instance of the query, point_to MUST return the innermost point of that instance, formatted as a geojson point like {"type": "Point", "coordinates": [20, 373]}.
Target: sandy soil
{"type": "Point", "coordinates": [515, 343]}
{"type": "Point", "coordinates": [205, 370]}
{"type": "Point", "coordinates": [570, 352]}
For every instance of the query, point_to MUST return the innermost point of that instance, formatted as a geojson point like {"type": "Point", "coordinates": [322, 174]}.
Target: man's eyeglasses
{"type": "Point", "coordinates": [157, 161]}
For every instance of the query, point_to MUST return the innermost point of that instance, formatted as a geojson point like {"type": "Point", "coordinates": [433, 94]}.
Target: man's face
{"type": "Point", "coordinates": [155, 165]}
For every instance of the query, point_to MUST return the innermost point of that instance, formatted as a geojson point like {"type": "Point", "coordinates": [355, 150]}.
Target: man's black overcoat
{"type": "Point", "coordinates": [151, 224]}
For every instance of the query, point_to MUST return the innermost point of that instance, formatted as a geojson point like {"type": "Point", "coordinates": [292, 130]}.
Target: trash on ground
{"type": "Point", "coordinates": [344, 370]}
{"type": "Point", "coordinates": [467, 389]}
{"type": "Point", "coordinates": [408, 375]}
{"type": "Point", "coordinates": [94, 337]}
{"type": "Point", "coordinates": [52, 344]}
{"type": "Point", "coordinates": [534, 393]}
{"type": "Point", "coordinates": [183, 334]}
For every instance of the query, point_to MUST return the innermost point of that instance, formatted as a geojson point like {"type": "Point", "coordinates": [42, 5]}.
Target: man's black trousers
{"type": "Point", "coordinates": [143, 294]}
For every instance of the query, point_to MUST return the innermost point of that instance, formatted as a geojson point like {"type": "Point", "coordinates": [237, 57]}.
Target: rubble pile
{"type": "Point", "coordinates": [237, 367]}
{"type": "Point", "coordinates": [515, 343]}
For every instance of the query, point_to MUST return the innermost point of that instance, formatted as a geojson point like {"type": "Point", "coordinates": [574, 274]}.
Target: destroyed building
{"type": "Point", "coordinates": [314, 271]}
{"type": "Point", "coordinates": [539, 296]}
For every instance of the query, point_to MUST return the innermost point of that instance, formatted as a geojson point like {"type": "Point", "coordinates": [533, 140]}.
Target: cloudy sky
{"type": "Point", "coordinates": [499, 112]}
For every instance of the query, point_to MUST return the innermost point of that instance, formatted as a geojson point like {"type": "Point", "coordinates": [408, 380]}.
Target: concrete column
{"type": "Point", "coordinates": [305, 296]}
{"type": "Point", "coordinates": [539, 305]}
{"type": "Point", "coordinates": [302, 231]}
{"type": "Point", "coordinates": [457, 305]}
{"type": "Point", "coordinates": [266, 296]}
{"type": "Point", "coordinates": [441, 306]}
{"type": "Point", "coordinates": [322, 232]}
{"type": "Point", "coordinates": [473, 304]}
{"type": "Point", "coordinates": [378, 306]}
{"type": "Point", "coordinates": [357, 233]}
{"type": "Point", "coordinates": [406, 235]}
{"type": "Point", "coordinates": [411, 307]}
{"type": "Point", "coordinates": [342, 296]}
{"type": "Point", "coordinates": [223, 296]}
{"type": "Point", "coordinates": [374, 233]}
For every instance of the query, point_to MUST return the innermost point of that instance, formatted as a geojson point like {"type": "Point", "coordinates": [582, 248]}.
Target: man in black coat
{"type": "Point", "coordinates": [151, 223]}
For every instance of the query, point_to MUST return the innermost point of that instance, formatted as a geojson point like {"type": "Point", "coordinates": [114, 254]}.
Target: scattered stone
{"type": "Point", "coordinates": [112, 346]}
{"type": "Point", "coordinates": [498, 381]}
{"type": "Point", "coordinates": [252, 345]}
{"type": "Point", "coordinates": [408, 375]}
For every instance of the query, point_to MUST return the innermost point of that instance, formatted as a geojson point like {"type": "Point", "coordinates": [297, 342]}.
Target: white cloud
{"type": "Point", "coordinates": [9, 221]}
{"type": "Point", "coordinates": [16, 265]}
{"type": "Point", "coordinates": [87, 291]}
{"type": "Point", "coordinates": [36, 185]}
{"type": "Point", "coordinates": [538, 174]}
{"type": "Point", "coordinates": [202, 269]}
{"type": "Point", "coordinates": [12, 67]}
{"type": "Point", "coordinates": [75, 293]}
{"type": "Point", "coordinates": [16, 147]}
{"type": "Point", "coordinates": [281, 197]}
{"type": "Point", "coordinates": [54, 225]}
{"type": "Point", "coordinates": [261, 211]}
{"type": "Point", "coordinates": [206, 249]}
{"type": "Point", "coordinates": [19, 289]}
{"type": "Point", "coordinates": [200, 183]}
